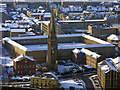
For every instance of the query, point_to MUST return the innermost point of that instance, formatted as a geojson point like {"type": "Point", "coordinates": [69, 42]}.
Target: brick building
{"type": "Point", "coordinates": [24, 65]}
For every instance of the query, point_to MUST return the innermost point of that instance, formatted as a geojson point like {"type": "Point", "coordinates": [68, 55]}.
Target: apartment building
{"type": "Point", "coordinates": [108, 72]}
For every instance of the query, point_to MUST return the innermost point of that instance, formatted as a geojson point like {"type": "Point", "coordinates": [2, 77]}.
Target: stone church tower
{"type": "Point", "coordinates": [51, 59]}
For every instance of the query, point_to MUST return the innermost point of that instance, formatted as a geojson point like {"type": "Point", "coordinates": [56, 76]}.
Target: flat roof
{"type": "Point", "coordinates": [70, 21]}
{"type": "Point", "coordinates": [65, 46]}
{"type": "Point", "coordinates": [62, 35]}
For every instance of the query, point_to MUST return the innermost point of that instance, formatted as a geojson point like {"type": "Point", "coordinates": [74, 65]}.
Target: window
{"type": "Point", "coordinates": [30, 66]}
{"type": "Point", "coordinates": [26, 66]}
{"type": "Point", "coordinates": [21, 66]}
{"type": "Point", "coordinates": [18, 66]}
{"type": "Point", "coordinates": [18, 71]}
{"type": "Point", "coordinates": [30, 71]}
{"type": "Point", "coordinates": [33, 66]}
{"type": "Point", "coordinates": [21, 71]}
{"type": "Point", "coordinates": [25, 61]}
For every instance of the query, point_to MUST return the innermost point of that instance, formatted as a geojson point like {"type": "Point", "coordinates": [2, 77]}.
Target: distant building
{"type": "Point", "coordinates": [16, 32]}
{"type": "Point", "coordinates": [45, 26]}
{"type": "Point", "coordinates": [45, 80]}
{"type": "Point", "coordinates": [117, 26]}
{"type": "Point", "coordinates": [4, 32]}
{"type": "Point", "coordinates": [36, 46]}
{"type": "Point", "coordinates": [79, 24]}
{"type": "Point", "coordinates": [3, 15]}
{"type": "Point", "coordinates": [108, 72]}
{"type": "Point", "coordinates": [85, 56]}
{"type": "Point", "coordinates": [102, 31]}
{"type": "Point", "coordinates": [115, 39]}
{"type": "Point", "coordinates": [24, 65]}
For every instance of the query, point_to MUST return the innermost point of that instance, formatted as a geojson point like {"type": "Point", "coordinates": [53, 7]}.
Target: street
{"type": "Point", "coordinates": [81, 76]}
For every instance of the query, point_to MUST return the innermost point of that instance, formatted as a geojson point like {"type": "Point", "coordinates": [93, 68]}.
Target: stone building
{"type": "Point", "coordinates": [108, 72]}
{"type": "Point", "coordinates": [52, 47]}
{"type": "Point", "coordinates": [24, 65]}
{"type": "Point", "coordinates": [36, 46]}
{"type": "Point", "coordinates": [102, 31]}
{"type": "Point", "coordinates": [80, 24]}
{"type": "Point", "coordinates": [45, 26]}
{"type": "Point", "coordinates": [16, 32]}
{"type": "Point", "coordinates": [115, 39]}
{"type": "Point", "coordinates": [85, 56]}
{"type": "Point", "coordinates": [46, 80]}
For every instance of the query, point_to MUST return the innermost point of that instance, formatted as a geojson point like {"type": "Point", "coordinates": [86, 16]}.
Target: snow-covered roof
{"type": "Point", "coordinates": [76, 50]}
{"type": "Point", "coordinates": [37, 13]}
{"type": "Point", "coordinates": [63, 35]}
{"type": "Point", "coordinates": [87, 66]}
{"type": "Point", "coordinates": [46, 22]}
{"type": "Point", "coordinates": [116, 61]}
{"type": "Point", "coordinates": [21, 57]}
{"type": "Point", "coordinates": [15, 43]}
{"type": "Point", "coordinates": [114, 37]}
{"type": "Point", "coordinates": [4, 29]}
{"type": "Point", "coordinates": [51, 74]}
{"type": "Point", "coordinates": [73, 21]}
{"type": "Point", "coordinates": [90, 53]}
{"type": "Point", "coordinates": [47, 15]}
{"type": "Point", "coordinates": [18, 30]}
{"type": "Point", "coordinates": [107, 65]}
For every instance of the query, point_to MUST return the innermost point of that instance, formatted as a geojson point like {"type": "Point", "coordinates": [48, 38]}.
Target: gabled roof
{"type": "Point", "coordinates": [114, 37]}
{"type": "Point", "coordinates": [116, 61]}
{"type": "Point", "coordinates": [21, 57]}
{"type": "Point", "coordinates": [90, 53]}
{"type": "Point", "coordinates": [107, 65]}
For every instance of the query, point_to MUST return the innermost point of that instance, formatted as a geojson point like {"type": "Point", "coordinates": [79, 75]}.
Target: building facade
{"type": "Point", "coordinates": [46, 80]}
{"type": "Point", "coordinates": [66, 43]}
{"type": "Point", "coordinates": [109, 73]}
{"type": "Point", "coordinates": [24, 65]}
{"type": "Point", "coordinates": [102, 31]}
{"type": "Point", "coordinates": [85, 56]}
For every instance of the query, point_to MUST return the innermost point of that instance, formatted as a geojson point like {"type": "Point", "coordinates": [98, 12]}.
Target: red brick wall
{"type": "Point", "coordinates": [25, 68]}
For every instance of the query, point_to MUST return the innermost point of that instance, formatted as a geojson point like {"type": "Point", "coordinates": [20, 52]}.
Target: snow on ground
{"type": "Point", "coordinates": [71, 83]}
{"type": "Point", "coordinates": [62, 68]}
{"type": "Point", "coordinates": [21, 78]}
{"type": "Point", "coordinates": [6, 61]}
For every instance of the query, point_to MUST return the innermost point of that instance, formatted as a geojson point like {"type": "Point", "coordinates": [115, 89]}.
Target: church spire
{"type": "Point", "coordinates": [51, 58]}
{"type": "Point", "coordinates": [52, 32]}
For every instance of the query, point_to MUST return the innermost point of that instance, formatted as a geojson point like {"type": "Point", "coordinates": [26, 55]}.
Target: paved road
{"type": "Point", "coordinates": [85, 78]}
{"type": "Point", "coordinates": [82, 76]}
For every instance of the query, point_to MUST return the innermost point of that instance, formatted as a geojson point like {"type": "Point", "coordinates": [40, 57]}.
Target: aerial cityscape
{"type": "Point", "coordinates": [52, 45]}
